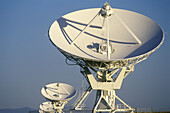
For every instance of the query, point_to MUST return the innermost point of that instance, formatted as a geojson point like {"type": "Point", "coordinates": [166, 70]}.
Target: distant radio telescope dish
{"type": "Point", "coordinates": [58, 92]}
{"type": "Point", "coordinates": [46, 107]}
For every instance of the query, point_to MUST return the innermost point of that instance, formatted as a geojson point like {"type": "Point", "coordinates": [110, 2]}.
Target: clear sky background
{"type": "Point", "coordinates": [28, 60]}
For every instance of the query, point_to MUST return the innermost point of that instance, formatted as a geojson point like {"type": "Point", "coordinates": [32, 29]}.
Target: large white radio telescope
{"type": "Point", "coordinates": [109, 42]}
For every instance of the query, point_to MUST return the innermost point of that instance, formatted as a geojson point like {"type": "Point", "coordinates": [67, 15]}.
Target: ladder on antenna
{"type": "Point", "coordinates": [79, 104]}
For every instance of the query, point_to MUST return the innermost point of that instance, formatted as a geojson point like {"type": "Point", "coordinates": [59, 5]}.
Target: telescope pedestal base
{"type": "Point", "coordinates": [105, 102]}
{"type": "Point", "coordinates": [105, 86]}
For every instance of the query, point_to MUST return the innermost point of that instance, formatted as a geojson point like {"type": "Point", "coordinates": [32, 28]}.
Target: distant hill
{"type": "Point", "coordinates": [17, 110]}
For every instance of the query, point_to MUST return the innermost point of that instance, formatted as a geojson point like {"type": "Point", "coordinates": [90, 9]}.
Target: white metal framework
{"type": "Point", "coordinates": [106, 83]}
{"type": "Point", "coordinates": [58, 95]}
{"type": "Point", "coordinates": [52, 107]}
{"type": "Point", "coordinates": [109, 69]}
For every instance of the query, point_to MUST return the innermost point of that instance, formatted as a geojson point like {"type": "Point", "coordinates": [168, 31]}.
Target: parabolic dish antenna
{"type": "Point", "coordinates": [46, 107]}
{"type": "Point", "coordinates": [58, 92]}
{"type": "Point", "coordinates": [88, 35]}
{"type": "Point", "coordinates": [108, 42]}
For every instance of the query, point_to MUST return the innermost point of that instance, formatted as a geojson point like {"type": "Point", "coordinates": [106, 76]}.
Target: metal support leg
{"type": "Point", "coordinates": [105, 101]}
{"type": "Point", "coordinates": [106, 96]}
{"type": "Point", "coordinates": [129, 108]}
{"type": "Point", "coordinates": [81, 99]}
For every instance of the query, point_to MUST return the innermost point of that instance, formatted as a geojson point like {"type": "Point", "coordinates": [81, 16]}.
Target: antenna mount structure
{"type": "Point", "coordinates": [58, 95]}
{"type": "Point", "coordinates": [106, 43]}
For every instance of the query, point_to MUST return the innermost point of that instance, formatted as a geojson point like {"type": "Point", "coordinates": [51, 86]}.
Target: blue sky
{"type": "Point", "coordinates": [28, 60]}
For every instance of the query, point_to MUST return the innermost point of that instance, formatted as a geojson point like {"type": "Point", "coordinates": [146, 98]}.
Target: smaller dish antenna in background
{"type": "Point", "coordinates": [46, 107]}
{"type": "Point", "coordinates": [58, 94]}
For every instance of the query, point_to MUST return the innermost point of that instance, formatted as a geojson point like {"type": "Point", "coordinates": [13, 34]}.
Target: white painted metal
{"type": "Point", "coordinates": [131, 34]}
{"type": "Point", "coordinates": [58, 94]}
{"type": "Point", "coordinates": [106, 95]}
{"type": "Point", "coordinates": [52, 107]}
{"type": "Point", "coordinates": [110, 44]}
{"type": "Point", "coordinates": [78, 104]}
{"type": "Point", "coordinates": [84, 28]}
{"type": "Point", "coordinates": [46, 107]}
{"type": "Point", "coordinates": [130, 31]}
